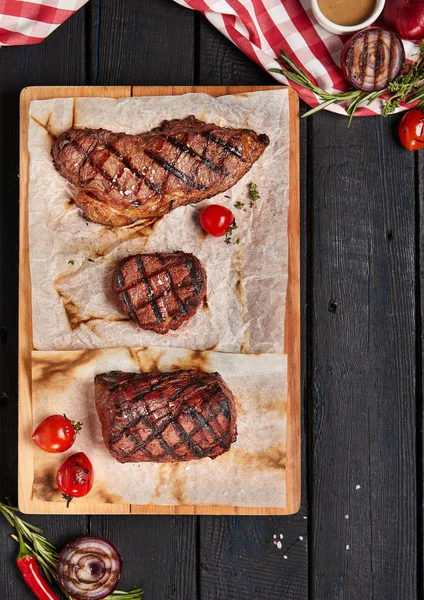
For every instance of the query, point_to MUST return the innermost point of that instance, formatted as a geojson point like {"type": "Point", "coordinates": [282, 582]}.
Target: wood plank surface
{"type": "Point", "coordinates": [141, 43]}
{"type": "Point", "coordinates": [363, 461]}
{"type": "Point", "coordinates": [292, 317]}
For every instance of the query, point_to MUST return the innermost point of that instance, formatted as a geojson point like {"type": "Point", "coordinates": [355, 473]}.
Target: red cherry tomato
{"type": "Point", "coordinates": [216, 219]}
{"type": "Point", "coordinates": [56, 433]}
{"type": "Point", "coordinates": [75, 477]}
{"type": "Point", "coordinates": [411, 129]}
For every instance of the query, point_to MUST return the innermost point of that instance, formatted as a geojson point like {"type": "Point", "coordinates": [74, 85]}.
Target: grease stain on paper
{"type": "Point", "coordinates": [44, 485]}
{"type": "Point", "coordinates": [60, 365]}
{"type": "Point", "coordinates": [147, 360]}
{"type": "Point", "coordinates": [273, 458]}
{"type": "Point", "coordinates": [196, 359]}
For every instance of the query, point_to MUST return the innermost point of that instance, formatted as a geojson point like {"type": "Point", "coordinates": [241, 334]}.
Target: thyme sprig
{"type": "Point", "coordinates": [230, 232]}
{"type": "Point", "coordinates": [253, 193]}
{"type": "Point", "coordinates": [46, 554]}
{"type": "Point", "coordinates": [407, 87]}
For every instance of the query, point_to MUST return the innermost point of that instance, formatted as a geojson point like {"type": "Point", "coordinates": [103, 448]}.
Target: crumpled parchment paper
{"type": "Point", "coordinates": [250, 474]}
{"type": "Point", "coordinates": [72, 260]}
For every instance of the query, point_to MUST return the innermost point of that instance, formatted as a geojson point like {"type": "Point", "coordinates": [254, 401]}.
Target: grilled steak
{"type": "Point", "coordinates": [124, 178]}
{"type": "Point", "coordinates": [160, 291]}
{"type": "Point", "coordinates": [165, 417]}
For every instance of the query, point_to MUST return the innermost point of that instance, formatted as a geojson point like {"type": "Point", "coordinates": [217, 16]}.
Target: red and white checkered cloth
{"type": "Point", "coordinates": [261, 28]}
{"type": "Point", "coordinates": [25, 22]}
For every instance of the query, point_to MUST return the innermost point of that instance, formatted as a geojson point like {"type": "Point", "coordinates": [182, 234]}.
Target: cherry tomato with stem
{"type": "Point", "coordinates": [57, 433]}
{"type": "Point", "coordinates": [75, 477]}
{"type": "Point", "coordinates": [411, 129]}
{"type": "Point", "coordinates": [216, 219]}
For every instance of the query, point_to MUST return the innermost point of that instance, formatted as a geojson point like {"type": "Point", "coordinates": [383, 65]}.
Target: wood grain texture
{"type": "Point", "coordinates": [292, 321]}
{"type": "Point", "coordinates": [364, 542]}
{"type": "Point", "coordinates": [220, 62]}
{"type": "Point", "coordinates": [141, 43]}
{"type": "Point", "coordinates": [244, 558]}
{"type": "Point", "coordinates": [159, 553]}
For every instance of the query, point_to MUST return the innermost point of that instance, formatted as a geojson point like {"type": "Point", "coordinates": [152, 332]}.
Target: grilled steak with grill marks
{"type": "Point", "coordinates": [165, 417]}
{"type": "Point", "coordinates": [160, 291]}
{"type": "Point", "coordinates": [124, 178]}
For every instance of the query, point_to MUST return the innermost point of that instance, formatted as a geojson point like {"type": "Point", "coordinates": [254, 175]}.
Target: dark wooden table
{"type": "Point", "coordinates": [358, 534]}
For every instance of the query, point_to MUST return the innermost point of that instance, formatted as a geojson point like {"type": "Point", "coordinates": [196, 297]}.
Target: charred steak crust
{"type": "Point", "coordinates": [123, 178]}
{"type": "Point", "coordinates": [165, 417]}
{"type": "Point", "coordinates": [160, 291]}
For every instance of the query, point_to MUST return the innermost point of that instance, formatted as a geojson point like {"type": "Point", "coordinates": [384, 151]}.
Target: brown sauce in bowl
{"type": "Point", "coordinates": [347, 12]}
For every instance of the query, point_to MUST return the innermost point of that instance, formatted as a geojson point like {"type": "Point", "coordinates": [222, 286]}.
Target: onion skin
{"type": "Point", "coordinates": [89, 568]}
{"type": "Point", "coordinates": [406, 17]}
{"type": "Point", "coordinates": [372, 58]}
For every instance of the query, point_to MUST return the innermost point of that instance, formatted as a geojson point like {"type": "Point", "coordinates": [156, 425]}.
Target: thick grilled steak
{"type": "Point", "coordinates": [124, 178]}
{"type": "Point", "coordinates": [160, 291]}
{"type": "Point", "coordinates": [165, 417]}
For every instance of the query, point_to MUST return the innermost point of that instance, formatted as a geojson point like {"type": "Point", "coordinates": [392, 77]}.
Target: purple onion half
{"type": "Point", "coordinates": [372, 58]}
{"type": "Point", "coordinates": [89, 568]}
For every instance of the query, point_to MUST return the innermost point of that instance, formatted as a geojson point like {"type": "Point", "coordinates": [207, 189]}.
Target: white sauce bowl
{"type": "Point", "coordinates": [343, 29]}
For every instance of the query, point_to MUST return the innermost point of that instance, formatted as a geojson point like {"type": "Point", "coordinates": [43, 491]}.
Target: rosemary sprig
{"type": "Point", "coordinates": [46, 554]}
{"type": "Point", "coordinates": [407, 87]}
{"type": "Point", "coordinates": [297, 75]}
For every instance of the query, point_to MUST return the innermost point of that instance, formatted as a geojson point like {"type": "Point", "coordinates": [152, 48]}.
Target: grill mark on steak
{"type": "Point", "coordinates": [220, 142]}
{"type": "Point", "coordinates": [195, 279]}
{"type": "Point", "coordinates": [167, 275]}
{"type": "Point", "coordinates": [125, 163]}
{"type": "Point", "coordinates": [157, 434]}
{"type": "Point", "coordinates": [197, 160]}
{"type": "Point", "coordinates": [185, 148]}
{"type": "Point", "coordinates": [140, 282]}
{"type": "Point", "coordinates": [201, 401]}
{"type": "Point", "coordinates": [181, 306]}
{"type": "Point", "coordinates": [130, 306]}
{"type": "Point", "coordinates": [98, 168]}
{"type": "Point", "coordinates": [150, 292]}
{"type": "Point", "coordinates": [167, 166]}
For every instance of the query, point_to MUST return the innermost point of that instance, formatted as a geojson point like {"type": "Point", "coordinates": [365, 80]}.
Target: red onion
{"type": "Point", "coordinates": [89, 568]}
{"type": "Point", "coordinates": [406, 17]}
{"type": "Point", "coordinates": [372, 58]}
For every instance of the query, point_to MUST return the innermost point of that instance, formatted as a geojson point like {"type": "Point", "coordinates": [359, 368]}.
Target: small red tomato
{"type": "Point", "coordinates": [56, 433]}
{"type": "Point", "coordinates": [216, 219]}
{"type": "Point", "coordinates": [75, 477]}
{"type": "Point", "coordinates": [411, 129]}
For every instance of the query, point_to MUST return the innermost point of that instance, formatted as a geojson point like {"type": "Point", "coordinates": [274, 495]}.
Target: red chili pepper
{"type": "Point", "coordinates": [27, 565]}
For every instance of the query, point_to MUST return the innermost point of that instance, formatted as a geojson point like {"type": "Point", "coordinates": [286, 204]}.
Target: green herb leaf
{"type": "Point", "coordinates": [230, 230]}
{"type": "Point", "coordinates": [408, 87]}
{"type": "Point", "coordinates": [71, 262]}
{"type": "Point", "coordinates": [46, 554]}
{"type": "Point", "coordinates": [253, 193]}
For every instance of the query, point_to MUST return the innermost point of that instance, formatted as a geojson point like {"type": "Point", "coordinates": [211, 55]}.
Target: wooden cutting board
{"type": "Point", "coordinates": [292, 318]}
